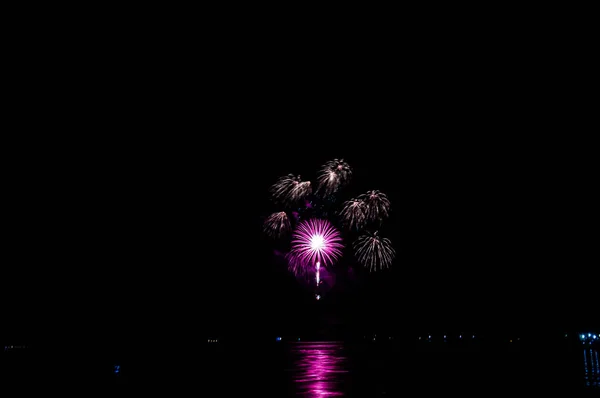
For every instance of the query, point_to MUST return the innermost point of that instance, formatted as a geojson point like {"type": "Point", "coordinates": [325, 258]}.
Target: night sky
{"type": "Point", "coordinates": [148, 223]}
{"type": "Point", "coordinates": [487, 229]}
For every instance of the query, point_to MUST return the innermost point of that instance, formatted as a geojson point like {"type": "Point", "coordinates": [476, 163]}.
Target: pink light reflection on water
{"type": "Point", "coordinates": [319, 369]}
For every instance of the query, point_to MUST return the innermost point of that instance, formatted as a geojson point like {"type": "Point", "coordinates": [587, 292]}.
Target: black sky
{"type": "Point", "coordinates": [486, 227]}
{"type": "Point", "coordinates": [147, 215]}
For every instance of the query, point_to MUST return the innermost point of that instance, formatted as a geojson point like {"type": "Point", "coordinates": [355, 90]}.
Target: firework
{"type": "Point", "coordinates": [333, 175]}
{"type": "Point", "coordinates": [374, 251]}
{"type": "Point", "coordinates": [290, 189]}
{"type": "Point", "coordinates": [377, 205]}
{"type": "Point", "coordinates": [316, 240]}
{"type": "Point", "coordinates": [318, 276]}
{"type": "Point", "coordinates": [296, 265]}
{"type": "Point", "coordinates": [300, 267]}
{"type": "Point", "coordinates": [277, 224]}
{"type": "Point", "coordinates": [353, 213]}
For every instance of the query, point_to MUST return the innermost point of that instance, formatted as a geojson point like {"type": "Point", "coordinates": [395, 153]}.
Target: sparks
{"type": "Point", "coordinates": [374, 251]}
{"type": "Point", "coordinates": [290, 189]}
{"type": "Point", "coordinates": [353, 213]}
{"type": "Point", "coordinates": [315, 241]}
{"type": "Point", "coordinates": [377, 205]}
{"type": "Point", "coordinates": [333, 175]}
{"type": "Point", "coordinates": [277, 224]}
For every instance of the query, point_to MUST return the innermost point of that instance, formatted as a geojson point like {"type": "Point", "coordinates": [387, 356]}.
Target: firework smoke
{"type": "Point", "coordinates": [290, 189]}
{"type": "Point", "coordinates": [377, 205]}
{"type": "Point", "coordinates": [296, 265]}
{"type": "Point", "coordinates": [333, 175]}
{"type": "Point", "coordinates": [277, 224]}
{"type": "Point", "coordinates": [315, 241]}
{"type": "Point", "coordinates": [374, 251]}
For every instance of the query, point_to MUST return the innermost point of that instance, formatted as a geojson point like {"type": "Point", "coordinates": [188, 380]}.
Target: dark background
{"type": "Point", "coordinates": [137, 184]}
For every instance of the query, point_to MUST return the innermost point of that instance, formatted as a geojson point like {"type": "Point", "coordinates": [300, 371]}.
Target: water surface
{"type": "Point", "coordinates": [310, 369]}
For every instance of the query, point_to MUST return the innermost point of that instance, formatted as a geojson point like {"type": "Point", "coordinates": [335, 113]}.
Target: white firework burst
{"type": "Point", "coordinates": [354, 213]}
{"type": "Point", "coordinates": [290, 189]}
{"type": "Point", "coordinates": [277, 224]}
{"type": "Point", "coordinates": [377, 205]}
{"type": "Point", "coordinates": [301, 190]}
{"type": "Point", "coordinates": [374, 251]}
{"type": "Point", "coordinates": [333, 175]}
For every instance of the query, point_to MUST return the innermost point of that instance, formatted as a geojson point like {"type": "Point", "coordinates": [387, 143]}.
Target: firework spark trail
{"type": "Point", "coordinates": [353, 213]}
{"type": "Point", "coordinates": [277, 224]}
{"type": "Point", "coordinates": [316, 240]}
{"type": "Point", "coordinates": [374, 251]}
{"type": "Point", "coordinates": [318, 277]}
{"type": "Point", "coordinates": [333, 175]}
{"type": "Point", "coordinates": [377, 205]}
{"type": "Point", "coordinates": [289, 189]}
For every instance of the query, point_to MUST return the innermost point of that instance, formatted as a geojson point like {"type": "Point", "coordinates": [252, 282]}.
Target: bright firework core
{"type": "Point", "coordinates": [317, 242]}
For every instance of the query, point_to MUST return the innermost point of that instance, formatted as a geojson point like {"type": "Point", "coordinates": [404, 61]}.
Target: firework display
{"type": "Point", "coordinates": [316, 241]}
{"type": "Point", "coordinates": [377, 205]}
{"type": "Point", "coordinates": [333, 175]}
{"type": "Point", "coordinates": [374, 251]}
{"type": "Point", "coordinates": [319, 226]}
{"type": "Point", "coordinates": [354, 213]}
{"type": "Point", "coordinates": [290, 189]}
{"type": "Point", "coordinates": [277, 224]}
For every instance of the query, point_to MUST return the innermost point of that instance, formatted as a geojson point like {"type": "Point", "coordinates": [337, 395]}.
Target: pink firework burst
{"type": "Point", "coordinates": [316, 241]}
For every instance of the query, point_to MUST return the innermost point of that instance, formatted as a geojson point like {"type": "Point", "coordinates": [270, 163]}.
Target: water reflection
{"type": "Point", "coordinates": [318, 368]}
{"type": "Point", "coordinates": [591, 368]}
